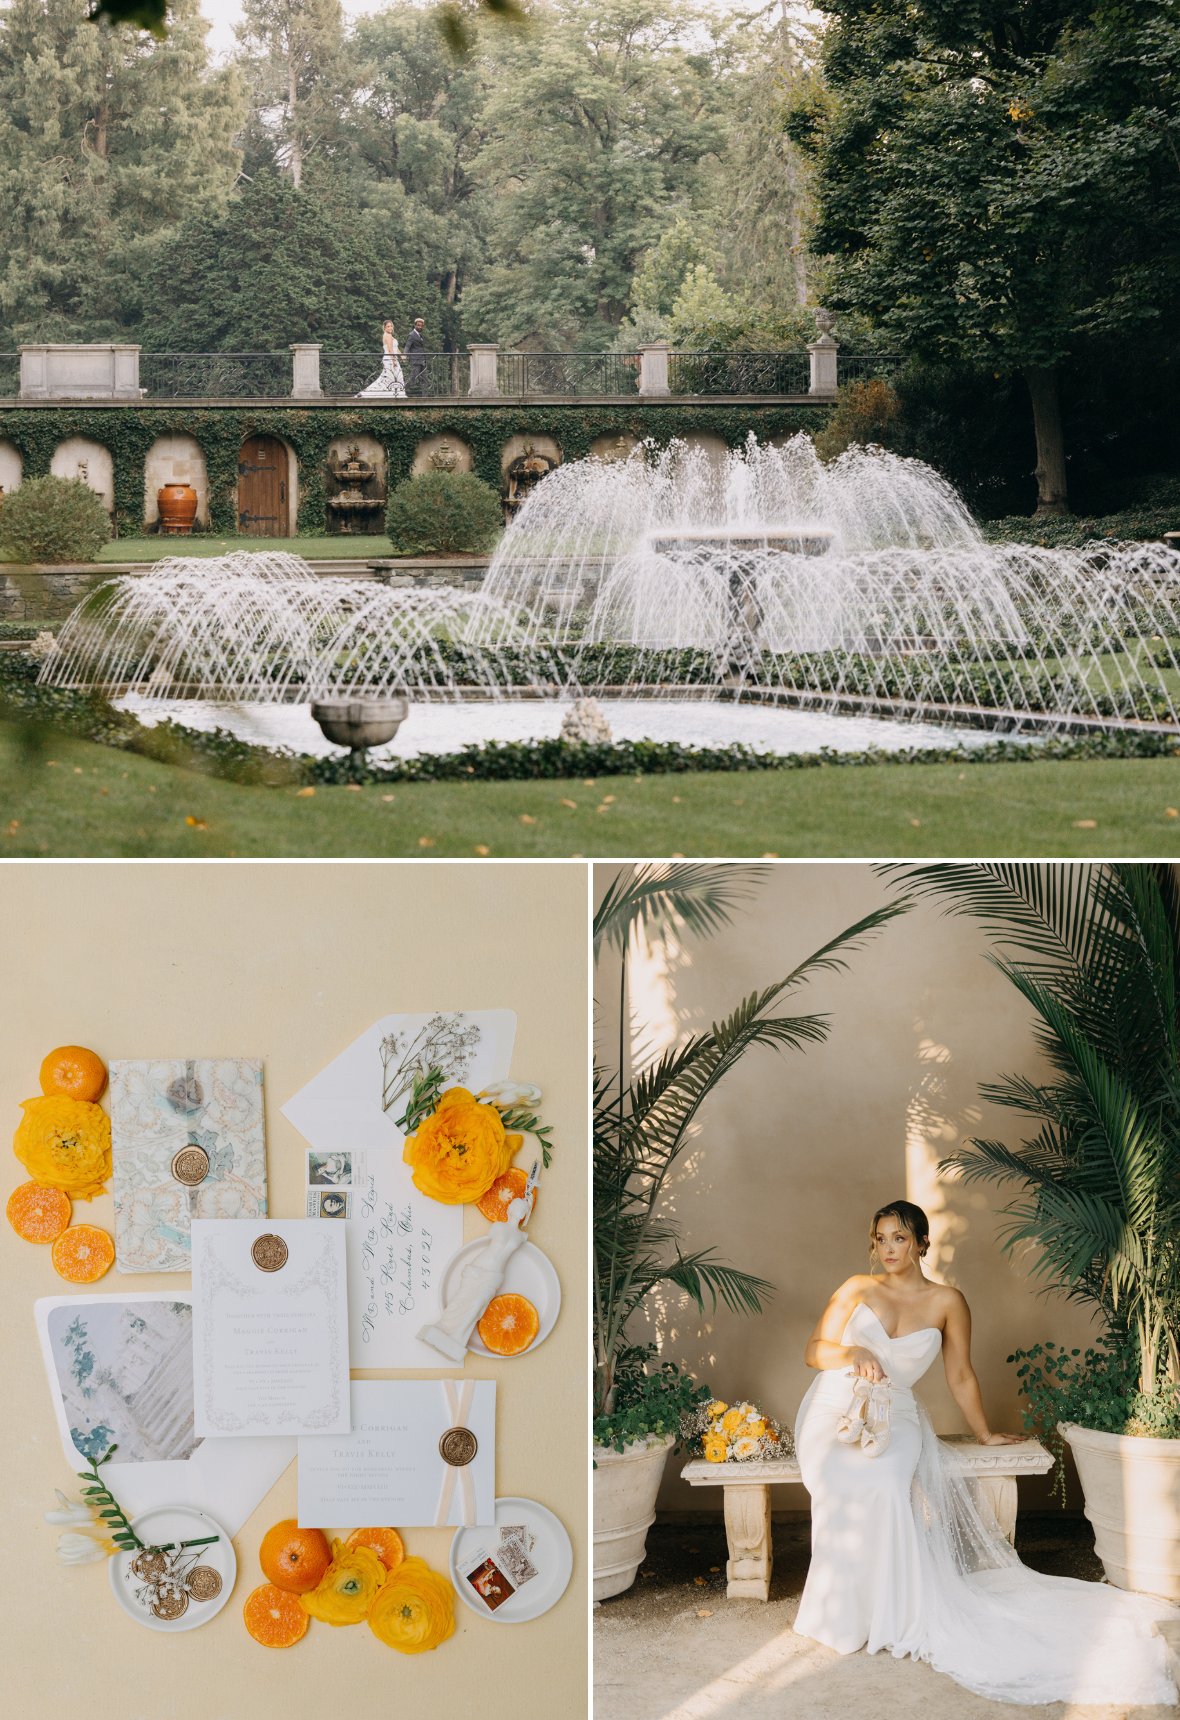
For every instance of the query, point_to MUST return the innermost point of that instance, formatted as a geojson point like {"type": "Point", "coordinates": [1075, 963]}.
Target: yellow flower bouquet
{"type": "Point", "coordinates": [738, 1433]}
{"type": "Point", "coordinates": [348, 1589]}
{"type": "Point", "coordinates": [65, 1144]}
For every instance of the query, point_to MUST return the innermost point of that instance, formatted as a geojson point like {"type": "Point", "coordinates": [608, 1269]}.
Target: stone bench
{"type": "Point", "coordinates": [991, 1470]}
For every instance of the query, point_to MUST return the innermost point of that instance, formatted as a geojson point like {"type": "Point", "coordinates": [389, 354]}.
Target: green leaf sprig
{"type": "Point", "coordinates": [519, 1117]}
{"type": "Point", "coordinates": [426, 1090]}
{"type": "Point", "coordinates": [100, 1499]}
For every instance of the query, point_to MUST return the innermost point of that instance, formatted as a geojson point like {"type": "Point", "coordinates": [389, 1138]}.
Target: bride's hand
{"type": "Point", "coordinates": [1004, 1439]}
{"type": "Point", "coordinates": [866, 1366]}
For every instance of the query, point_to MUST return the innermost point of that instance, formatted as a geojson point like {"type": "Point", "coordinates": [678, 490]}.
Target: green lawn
{"type": "Point", "coordinates": [344, 548]}
{"type": "Point", "coordinates": [77, 799]}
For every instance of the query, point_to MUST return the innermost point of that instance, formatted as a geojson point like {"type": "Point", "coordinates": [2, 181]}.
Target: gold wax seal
{"type": "Point", "coordinates": [204, 1583]}
{"type": "Point", "coordinates": [190, 1165]}
{"type": "Point", "coordinates": [458, 1446]}
{"type": "Point", "coordinates": [149, 1565]}
{"type": "Point", "coordinates": [170, 1603]}
{"type": "Point", "coordinates": [269, 1252]}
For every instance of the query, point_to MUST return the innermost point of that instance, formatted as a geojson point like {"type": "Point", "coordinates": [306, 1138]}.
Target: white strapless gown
{"type": "Point", "coordinates": [903, 1559]}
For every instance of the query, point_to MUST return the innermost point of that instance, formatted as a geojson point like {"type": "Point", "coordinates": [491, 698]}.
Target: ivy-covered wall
{"type": "Point", "coordinates": [129, 431]}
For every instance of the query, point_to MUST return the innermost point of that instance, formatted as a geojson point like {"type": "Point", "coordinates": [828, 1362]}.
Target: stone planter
{"type": "Point", "coordinates": [1132, 1489]}
{"type": "Point", "coordinates": [625, 1488]}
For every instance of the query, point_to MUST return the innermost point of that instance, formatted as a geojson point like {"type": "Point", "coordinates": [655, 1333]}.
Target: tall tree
{"type": "Point", "coordinates": [1000, 181]}
{"type": "Point", "coordinates": [600, 116]}
{"type": "Point", "coordinates": [293, 50]}
{"type": "Point", "coordinates": [110, 137]}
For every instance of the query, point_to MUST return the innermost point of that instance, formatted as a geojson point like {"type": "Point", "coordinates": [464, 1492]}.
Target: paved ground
{"type": "Point", "coordinates": [673, 1647]}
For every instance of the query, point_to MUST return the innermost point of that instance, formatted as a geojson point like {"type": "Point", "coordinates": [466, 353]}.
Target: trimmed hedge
{"type": "Point", "coordinates": [443, 513]}
{"type": "Point", "coordinates": [1068, 531]}
{"type": "Point", "coordinates": [51, 519]}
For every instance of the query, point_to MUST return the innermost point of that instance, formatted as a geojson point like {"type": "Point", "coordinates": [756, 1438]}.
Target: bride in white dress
{"type": "Point", "coordinates": [389, 382]}
{"type": "Point", "coordinates": [903, 1557]}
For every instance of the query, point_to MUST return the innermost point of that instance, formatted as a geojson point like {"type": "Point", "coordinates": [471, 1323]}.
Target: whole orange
{"type": "Point", "coordinates": [292, 1558]}
{"type": "Point", "coordinates": [74, 1072]}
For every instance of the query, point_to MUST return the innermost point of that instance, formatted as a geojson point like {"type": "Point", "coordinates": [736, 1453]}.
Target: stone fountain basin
{"type": "Point", "coordinates": [357, 723]}
{"type": "Point", "coordinates": [447, 726]}
{"type": "Point", "coordinates": [786, 540]}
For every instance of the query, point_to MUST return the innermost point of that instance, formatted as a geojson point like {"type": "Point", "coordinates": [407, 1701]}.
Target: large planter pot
{"type": "Point", "coordinates": [178, 509]}
{"type": "Point", "coordinates": [1132, 1489]}
{"type": "Point", "coordinates": [625, 1486]}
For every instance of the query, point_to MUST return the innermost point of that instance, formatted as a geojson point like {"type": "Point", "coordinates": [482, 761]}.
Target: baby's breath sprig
{"type": "Point", "coordinates": [519, 1117]}
{"type": "Point", "coordinates": [425, 1092]}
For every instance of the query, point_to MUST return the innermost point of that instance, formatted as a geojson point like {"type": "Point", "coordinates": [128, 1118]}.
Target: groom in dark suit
{"type": "Point", "coordinates": [416, 354]}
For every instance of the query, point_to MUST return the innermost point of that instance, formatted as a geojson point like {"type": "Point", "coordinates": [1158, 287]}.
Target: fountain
{"type": "Point", "coordinates": [795, 604]}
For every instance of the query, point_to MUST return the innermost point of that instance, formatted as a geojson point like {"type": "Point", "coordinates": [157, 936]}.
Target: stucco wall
{"type": "Point", "coordinates": [797, 1150]}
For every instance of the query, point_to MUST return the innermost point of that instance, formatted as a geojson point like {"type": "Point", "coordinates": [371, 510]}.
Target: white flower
{"type": "Point", "coordinates": [73, 1549]}
{"type": "Point", "coordinates": [72, 1511]}
{"type": "Point", "coordinates": [746, 1446]}
{"type": "Point", "coordinates": [507, 1093]}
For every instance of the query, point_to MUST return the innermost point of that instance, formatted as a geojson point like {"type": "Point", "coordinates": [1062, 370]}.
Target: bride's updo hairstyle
{"type": "Point", "coordinates": [910, 1217]}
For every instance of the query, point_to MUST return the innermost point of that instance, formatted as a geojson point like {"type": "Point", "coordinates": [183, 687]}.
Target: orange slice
{"type": "Point", "coordinates": [38, 1214]}
{"type": "Point", "coordinates": [386, 1543]}
{"type": "Point", "coordinates": [508, 1186]}
{"type": "Point", "coordinates": [74, 1072]}
{"type": "Point", "coordinates": [83, 1253]}
{"type": "Point", "coordinates": [509, 1324]}
{"type": "Point", "coordinates": [274, 1618]}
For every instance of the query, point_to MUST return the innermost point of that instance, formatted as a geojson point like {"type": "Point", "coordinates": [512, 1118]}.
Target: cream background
{"type": "Point", "coordinates": [289, 963]}
{"type": "Point", "coordinates": [796, 1150]}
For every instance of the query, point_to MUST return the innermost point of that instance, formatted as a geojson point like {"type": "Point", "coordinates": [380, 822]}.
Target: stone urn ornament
{"type": "Point", "coordinates": [178, 509]}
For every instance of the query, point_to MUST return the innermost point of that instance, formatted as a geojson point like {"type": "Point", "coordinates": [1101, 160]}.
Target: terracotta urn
{"type": "Point", "coordinates": [178, 509]}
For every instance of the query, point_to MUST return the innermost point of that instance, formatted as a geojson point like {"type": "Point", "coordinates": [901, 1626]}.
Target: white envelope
{"type": "Point", "coordinates": [390, 1469]}
{"type": "Point", "coordinates": [120, 1368]}
{"type": "Point", "coordinates": [270, 1327]}
{"type": "Point", "coordinates": [399, 1241]}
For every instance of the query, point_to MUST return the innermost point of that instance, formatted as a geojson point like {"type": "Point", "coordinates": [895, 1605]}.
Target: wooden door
{"type": "Point", "coordinates": [263, 508]}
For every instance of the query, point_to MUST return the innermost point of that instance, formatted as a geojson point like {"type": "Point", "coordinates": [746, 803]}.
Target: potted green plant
{"type": "Point", "coordinates": [643, 1113]}
{"type": "Point", "coordinates": [1094, 950]}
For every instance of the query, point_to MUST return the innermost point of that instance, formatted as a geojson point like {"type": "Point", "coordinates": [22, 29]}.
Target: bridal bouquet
{"type": "Point", "coordinates": [738, 1433]}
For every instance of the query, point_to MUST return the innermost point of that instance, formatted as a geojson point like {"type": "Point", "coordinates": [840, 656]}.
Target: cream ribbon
{"type": "Point", "coordinates": [458, 1395]}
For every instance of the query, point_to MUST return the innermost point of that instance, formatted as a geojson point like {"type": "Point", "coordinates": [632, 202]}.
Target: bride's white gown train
{"type": "Point", "coordinates": [903, 1559]}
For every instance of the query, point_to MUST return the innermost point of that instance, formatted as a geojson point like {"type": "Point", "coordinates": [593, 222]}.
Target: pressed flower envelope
{"type": "Point", "coordinates": [188, 1141]}
{"type": "Point", "coordinates": [120, 1369]}
{"type": "Point", "coordinates": [399, 1241]}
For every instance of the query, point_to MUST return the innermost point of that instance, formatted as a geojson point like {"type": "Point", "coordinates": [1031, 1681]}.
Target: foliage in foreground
{"type": "Point", "coordinates": [53, 519]}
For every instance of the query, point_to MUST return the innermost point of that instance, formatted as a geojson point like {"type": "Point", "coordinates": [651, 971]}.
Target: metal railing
{"type": "Point", "coordinates": [9, 375]}
{"type": "Point", "coordinates": [438, 375]}
{"type": "Point", "coordinates": [567, 373]}
{"type": "Point", "coordinates": [739, 372]}
{"type": "Point", "coordinates": [214, 375]}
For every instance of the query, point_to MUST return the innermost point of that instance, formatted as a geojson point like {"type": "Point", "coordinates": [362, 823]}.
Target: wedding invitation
{"type": "Point", "coordinates": [399, 1242]}
{"type": "Point", "coordinates": [270, 1327]}
{"type": "Point", "coordinates": [421, 1454]}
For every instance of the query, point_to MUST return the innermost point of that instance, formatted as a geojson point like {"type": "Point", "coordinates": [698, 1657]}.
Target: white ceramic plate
{"type": "Point", "coordinates": [175, 1523]}
{"type": "Point", "coordinates": [551, 1553]}
{"type": "Point", "coordinates": [530, 1273]}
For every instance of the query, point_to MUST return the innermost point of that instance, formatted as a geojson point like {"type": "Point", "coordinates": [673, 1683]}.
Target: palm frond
{"type": "Point", "coordinates": [704, 896]}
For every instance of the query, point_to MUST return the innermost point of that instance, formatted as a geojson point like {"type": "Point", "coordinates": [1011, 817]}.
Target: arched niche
{"type": "Point", "coordinates": [175, 459]}
{"type": "Point", "coordinates": [715, 450]}
{"type": "Point", "coordinates": [520, 447]}
{"type": "Point", "coordinates": [11, 468]}
{"type": "Point", "coordinates": [613, 449]}
{"type": "Point", "coordinates": [79, 457]}
{"type": "Point", "coordinates": [442, 454]}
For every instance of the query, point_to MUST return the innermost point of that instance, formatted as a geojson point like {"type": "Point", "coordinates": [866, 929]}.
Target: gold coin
{"type": "Point", "coordinates": [170, 1603]}
{"type": "Point", "coordinates": [204, 1583]}
{"type": "Point", "coordinates": [458, 1446]}
{"type": "Point", "coordinates": [269, 1252]}
{"type": "Point", "coordinates": [190, 1165]}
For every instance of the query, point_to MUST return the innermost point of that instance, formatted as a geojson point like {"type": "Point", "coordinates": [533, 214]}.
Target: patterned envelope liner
{"type": "Point", "coordinates": [210, 1111]}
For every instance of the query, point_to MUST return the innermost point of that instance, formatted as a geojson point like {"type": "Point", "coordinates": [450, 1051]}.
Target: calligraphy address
{"type": "Point", "coordinates": [395, 1260]}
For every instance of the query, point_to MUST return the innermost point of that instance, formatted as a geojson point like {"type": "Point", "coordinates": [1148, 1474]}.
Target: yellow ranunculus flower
{"type": "Point", "coordinates": [715, 1447]}
{"type": "Point", "coordinates": [66, 1144]}
{"type": "Point", "coordinates": [415, 1610]}
{"type": "Point", "coordinates": [346, 1591]}
{"type": "Point", "coordinates": [731, 1421]}
{"type": "Point", "coordinates": [716, 1408]}
{"type": "Point", "coordinates": [755, 1427]}
{"type": "Point", "coordinates": [460, 1149]}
